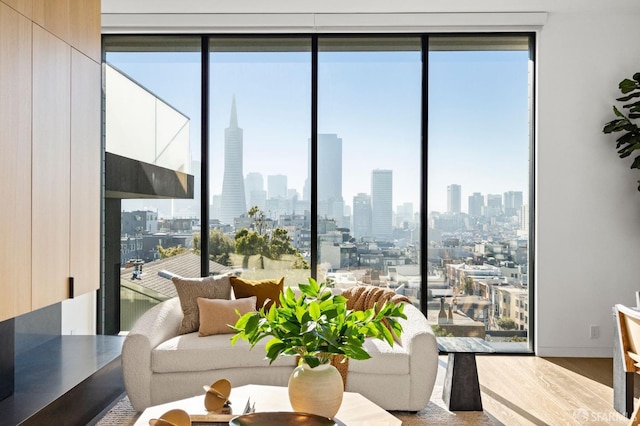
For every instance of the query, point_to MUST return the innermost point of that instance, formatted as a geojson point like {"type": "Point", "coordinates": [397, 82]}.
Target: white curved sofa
{"type": "Point", "coordinates": [160, 366]}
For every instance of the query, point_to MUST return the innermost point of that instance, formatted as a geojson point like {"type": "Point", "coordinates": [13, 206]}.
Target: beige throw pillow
{"type": "Point", "coordinates": [189, 289]}
{"type": "Point", "coordinates": [216, 315]}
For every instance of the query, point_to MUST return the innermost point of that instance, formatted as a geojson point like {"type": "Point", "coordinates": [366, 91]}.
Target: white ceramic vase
{"type": "Point", "coordinates": [316, 390]}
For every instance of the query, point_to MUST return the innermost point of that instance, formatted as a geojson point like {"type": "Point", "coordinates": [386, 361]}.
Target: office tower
{"type": "Point", "coordinates": [277, 186]}
{"type": "Point", "coordinates": [382, 204]}
{"type": "Point", "coordinates": [476, 204]}
{"type": "Point", "coordinates": [454, 198]}
{"type": "Point", "coordinates": [494, 205]}
{"type": "Point", "coordinates": [512, 202]}
{"type": "Point", "coordinates": [254, 190]}
{"type": "Point", "coordinates": [362, 216]}
{"type": "Point", "coordinates": [330, 202]}
{"type": "Point", "coordinates": [233, 200]}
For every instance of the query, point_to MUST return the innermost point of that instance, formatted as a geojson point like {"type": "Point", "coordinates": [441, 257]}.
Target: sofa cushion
{"type": "Point", "coordinates": [384, 359]}
{"type": "Point", "coordinates": [189, 352]}
{"type": "Point", "coordinates": [264, 290]}
{"type": "Point", "coordinates": [217, 314]}
{"type": "Point", "coordinates": [189, 289]}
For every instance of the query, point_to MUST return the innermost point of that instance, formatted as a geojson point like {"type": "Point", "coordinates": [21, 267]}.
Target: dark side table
{"type": "Point", "coordinates": [461, 390]}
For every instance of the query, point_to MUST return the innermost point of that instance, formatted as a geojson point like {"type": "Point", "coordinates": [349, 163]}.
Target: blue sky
{"type": "Point", "coordinates": [478, 115]}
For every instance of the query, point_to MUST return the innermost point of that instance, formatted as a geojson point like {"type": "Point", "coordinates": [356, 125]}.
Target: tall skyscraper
{"type": "Point", "coordinates": [494, 205]}
{"type": "Point", "coordinates": [330, 202]}
{"type": "Point", "coordinates": [454, 198]}
{"type": "Point", "coordinates": [512, 203]}
{"type": "Point", "coordinates": [382, 204]}
{"type": "Point", "coordinates": [233, 200]}
{"type": "Point", "coordinates": [362, 216]}
{"type": "Point", "coordinates": [476, 204]}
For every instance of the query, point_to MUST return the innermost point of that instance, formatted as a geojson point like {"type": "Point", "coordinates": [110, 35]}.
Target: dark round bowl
{"type": "Point", "coordinates": [281, 418]}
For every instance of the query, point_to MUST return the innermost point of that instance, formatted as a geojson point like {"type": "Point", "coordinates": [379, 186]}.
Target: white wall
{"type": "Point", "coordinates": [588, 243]}
{"type": "Point", "coordinates": [79, 315]}
{"type": "Point", "coordinates": [587, 231]}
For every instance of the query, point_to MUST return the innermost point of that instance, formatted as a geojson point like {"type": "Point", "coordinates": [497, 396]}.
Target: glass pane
{"type": "Point", "coordinates": [369, 167]}
{"type": "Point", "coordinates": [152, 103]}
{"type": "Point", "coordinates": [479, 184]}
{"type": "Point", "coordinates": [260, 102]}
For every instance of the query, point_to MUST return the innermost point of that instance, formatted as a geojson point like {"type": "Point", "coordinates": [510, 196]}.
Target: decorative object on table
{"type": "Point", "coordinates": [630, 140]}
{"type": "Point", "coordinates": [217, 395]}
{"type": "Point", "coordinates": [281, 418]}
{"type": "Point", "coordinates": [175, 417]}
{"type": "Point", "coordinates": [317, 326]}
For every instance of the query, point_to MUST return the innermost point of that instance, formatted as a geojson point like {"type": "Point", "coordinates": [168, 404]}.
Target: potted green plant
{"type": "Point", "coordinates": [630, 139]}
{"type": "Point", "coordinates": [316, 325]}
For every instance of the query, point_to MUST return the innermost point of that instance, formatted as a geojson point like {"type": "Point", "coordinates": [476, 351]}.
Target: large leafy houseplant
{"type": "Point", "coordinates": [630, 139]}
{"type": "Point", "coordinates": [317, 325]}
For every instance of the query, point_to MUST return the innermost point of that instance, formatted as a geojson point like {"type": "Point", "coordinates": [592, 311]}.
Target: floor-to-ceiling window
{"type": "Point", "coordinates": [479, 187]}
{"type": "Point", "coordinates": [369, 161]}
{"type": "Point", "coordinates": [152, 116]}
{"type": "Point", "coordinates": [402, 161]}
{"type": "Point", "coordinates": [259, 132]}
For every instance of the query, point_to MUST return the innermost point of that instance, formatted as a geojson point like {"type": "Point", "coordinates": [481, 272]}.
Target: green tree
{"type": "Point", "coordinates": [263, 241]}
{"type": "Point", "coordinates": [441, 332]}
{"type": "Point", "coordinates": [467, 286]}
{"type": "Point", "coordinates": [249, 243]}
{"type": "Point", "coordinates": [507, 324]}
{"type": "Point", "coordinates": [220, 246]}
{"type": "Point", "coordinates": [171, 251]}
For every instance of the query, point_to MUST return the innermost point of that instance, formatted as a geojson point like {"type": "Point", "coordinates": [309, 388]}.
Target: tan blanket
{"type": "Point", "coordinates": [360, 298]}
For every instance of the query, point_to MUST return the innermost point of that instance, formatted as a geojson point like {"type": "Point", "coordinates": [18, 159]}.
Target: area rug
{"type": "Point", "coordinates": [436, 413]}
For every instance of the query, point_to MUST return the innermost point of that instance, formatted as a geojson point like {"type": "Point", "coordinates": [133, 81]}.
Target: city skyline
{"type": "Point", "coordinates": [385, 127]}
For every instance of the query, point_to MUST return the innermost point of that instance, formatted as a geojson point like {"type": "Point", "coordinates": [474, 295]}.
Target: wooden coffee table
{"type": "Point", "coordinates": [355, 408]}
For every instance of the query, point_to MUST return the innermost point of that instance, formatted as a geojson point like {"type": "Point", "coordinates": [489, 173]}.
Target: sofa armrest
{"type": "Point", "coordinates": [155, 326]}
{"type": "Point", "coordinates": [419, 341]}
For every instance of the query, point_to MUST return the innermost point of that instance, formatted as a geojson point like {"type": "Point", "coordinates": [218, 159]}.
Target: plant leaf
{"type": "Point", "coordinates": [627, 85]}
{"type": "Point", "coordinates": [629, 97]}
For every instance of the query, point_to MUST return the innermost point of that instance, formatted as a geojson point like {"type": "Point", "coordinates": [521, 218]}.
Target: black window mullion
{"type": "Point", "coordinates": [204, 163]}
{"type": "Point", "coordinates": [314, 157]}
{"type": "Point", "coordinates": [424, 103]}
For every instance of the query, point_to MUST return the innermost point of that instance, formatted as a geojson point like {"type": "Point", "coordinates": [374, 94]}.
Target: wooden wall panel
{"type": "Point", "coordinates": [25, 7]}
{"type": "Point", "coordinates": [86, 27]}
{"type": "Point", "coordinates": [15, 163]}
{"type": "Point", "coordinates": [53, 16]}
{"type": "Point", "coordinates": [51, 163]}
{"type": "Point", "coordinates": [85, 173]}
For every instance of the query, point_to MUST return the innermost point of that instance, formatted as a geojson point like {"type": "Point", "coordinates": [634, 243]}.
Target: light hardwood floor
{"type": "Point", "coordinates": [529, 390]}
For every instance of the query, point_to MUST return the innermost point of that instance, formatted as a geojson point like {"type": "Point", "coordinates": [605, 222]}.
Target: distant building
{"type": "Point", "coordinates": [233, 202]}
{"type": "Point", "coordinates": [329, 180]}
{"type": "Point", "coordinates": [277, 186]}
{"type": "Point", "coordinates": [382, 204]}
{"type": "Point", "coordinates": [362, 216]}
{"type": "Point", "coordinates": [512, 203]}
{"type": "Point", "coordinates": [138, 222]}
{"type": "Point", "coordinates": [476, 204]}
{"type": "Point", "coordinates": [494, 205]}
{"type": "Point", "coordinates": [454, 198]}
{"type": "Point", "coordinates": [254, 189]}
